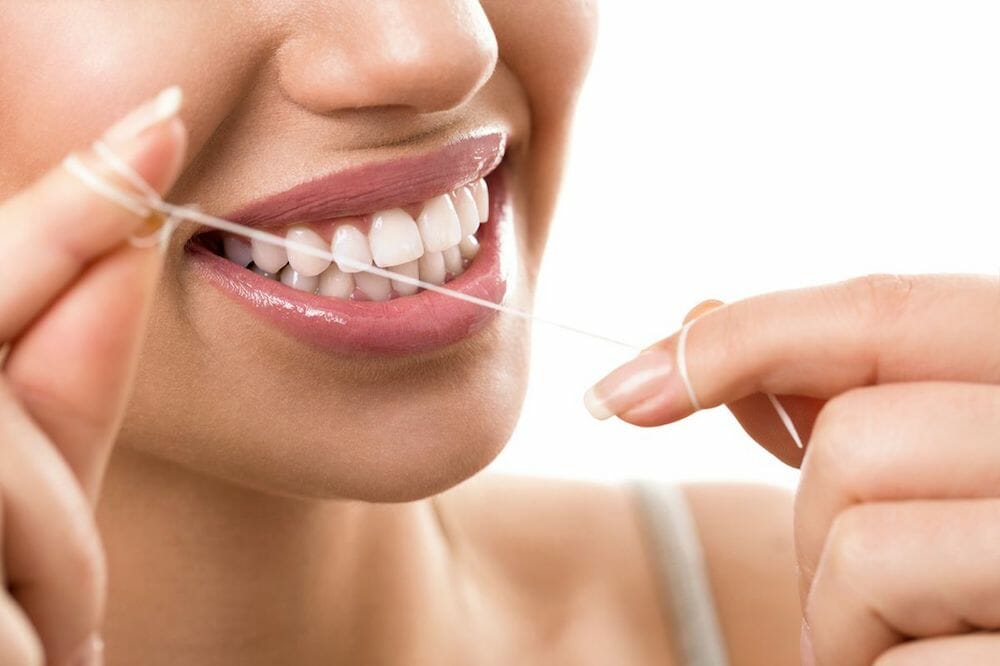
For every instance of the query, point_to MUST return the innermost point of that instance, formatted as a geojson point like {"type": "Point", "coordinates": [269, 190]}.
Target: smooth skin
{"type": "Point", "coordinates": [893, 380]}
{"type": "Point", "coordinates": [233, 534]}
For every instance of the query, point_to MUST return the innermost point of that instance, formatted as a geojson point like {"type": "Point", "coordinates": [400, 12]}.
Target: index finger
{"type": "Point", "coordinates": [51, 231]}
{"type": "Point", "coordinates": [816, 342]}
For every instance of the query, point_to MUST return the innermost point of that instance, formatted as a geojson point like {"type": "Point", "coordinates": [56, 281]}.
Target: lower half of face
{"type": "Point", "coordinates": [301, 376]}
{"type": "Point", "coordinates": [282, 371]}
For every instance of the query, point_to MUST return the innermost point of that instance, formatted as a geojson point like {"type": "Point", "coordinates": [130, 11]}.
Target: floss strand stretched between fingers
{"type": "Point", "coordinates": [151, 201]}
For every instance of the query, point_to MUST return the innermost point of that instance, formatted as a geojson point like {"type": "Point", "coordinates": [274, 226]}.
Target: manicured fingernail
{"type": "Point", "coordinates": [703, 308]}
{"type": "Point", "coordinates": [638, 380]}
{"type": "Point", "coordinates": [91, 653]}
{"type": "Point", "coordinates": [807, 657]}
{"type": "Point", "coordinates": [149, 114]}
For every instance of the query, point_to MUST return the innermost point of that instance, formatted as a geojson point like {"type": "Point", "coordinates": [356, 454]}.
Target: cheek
{"type": "Point", "coordinates": [548, 44]}
{"type": "Point", "coordinates": [68, 70]}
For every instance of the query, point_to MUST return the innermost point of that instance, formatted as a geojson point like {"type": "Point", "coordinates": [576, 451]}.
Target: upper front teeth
{"type": "Point", "coordinates": [439, 225]}
{"type": "Point", "coordinates": [481, 193]}
{"type": "Point", "coordinates": [306, 264]}
{"type": "Point", "coordinates": [394, 238]}
{"type": "Point", "coordinates": [350, 243]}
{"type": "Point", "coordinates": [468, 213]}
{"type": "Point", "coordinates": [435, 244]}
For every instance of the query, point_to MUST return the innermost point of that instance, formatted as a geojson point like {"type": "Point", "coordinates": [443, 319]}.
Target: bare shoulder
{"type": "Point", "coordinates": [746, 534]}
{"type": "Point", "coordinates": [515, 516]}
{"type": "Point", "coordinates": [576, 554]}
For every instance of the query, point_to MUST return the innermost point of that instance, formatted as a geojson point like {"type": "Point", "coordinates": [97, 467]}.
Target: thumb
{"type": "Point", "coordinates": [72, 366]}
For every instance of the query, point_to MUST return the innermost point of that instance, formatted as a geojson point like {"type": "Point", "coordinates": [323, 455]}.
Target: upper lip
{"type": "Point", "coordinates": [377, 186]}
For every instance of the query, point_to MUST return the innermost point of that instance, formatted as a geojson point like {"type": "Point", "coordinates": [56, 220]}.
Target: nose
{"type": "Point", "coordinates": [427, 55]}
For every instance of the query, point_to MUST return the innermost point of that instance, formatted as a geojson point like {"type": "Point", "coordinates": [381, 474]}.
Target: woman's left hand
{"type": "Point", "coordinates": [892, 381]}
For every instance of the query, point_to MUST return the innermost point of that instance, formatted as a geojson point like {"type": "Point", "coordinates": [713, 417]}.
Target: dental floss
{"type": "Point", "coordinates": [75, 166]}
{"type": "Point", "coordinates": [786, 420]}
{"type": "Point", "coordinates": [682, 365]}
{"type": "Point", "coordinates": [175, 214]}
{"type": "Point", "coordinates": [119, 166]}
{"type": "Point", "coordinates": [153, 202]}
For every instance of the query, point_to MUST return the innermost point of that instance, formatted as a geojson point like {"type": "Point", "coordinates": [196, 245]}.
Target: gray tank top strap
{"type": "Point", "coordinates": [677, 550]}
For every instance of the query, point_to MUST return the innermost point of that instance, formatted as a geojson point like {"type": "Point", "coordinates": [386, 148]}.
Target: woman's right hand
{"type": "Point", "coordinates": [73, 302]}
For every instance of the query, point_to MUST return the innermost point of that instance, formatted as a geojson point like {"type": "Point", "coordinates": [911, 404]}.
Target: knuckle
{"type": "Point", "coordinates": [879, 302]}
{"type": "Point", "coordinates": [854, 540]}
{"type": "Point", "coordinates": [882, 295]}
{"type": "Point", "coordinates": [731, 322]}
{"type": "Point", "coordinates": [837, 445]}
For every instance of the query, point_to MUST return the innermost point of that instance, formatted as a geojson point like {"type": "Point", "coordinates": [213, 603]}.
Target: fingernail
{"type": "Point", "coordinates": [628, 386]}
{"type": "Point", "coordinates": [91, 653]}
{"type": "Point", "coordinates": [150, 114]}
{"type": "Point", "coordinates": [703, 308]}
{"type": "Point", "coordinates": [806, 655]}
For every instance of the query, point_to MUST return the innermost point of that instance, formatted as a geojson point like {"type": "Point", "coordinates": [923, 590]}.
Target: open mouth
{"type": "Point", "coordinates": [440, 218]}
{"type": "Point", "coordinates": [433, 241]}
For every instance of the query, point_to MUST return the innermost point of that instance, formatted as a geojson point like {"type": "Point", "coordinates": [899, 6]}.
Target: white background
{"type": "Point", "coordinates": [727, 148]}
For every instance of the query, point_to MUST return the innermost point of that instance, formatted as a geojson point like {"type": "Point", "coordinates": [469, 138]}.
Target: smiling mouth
{"type": "Point", "coordinates": [442, 218]}
{"type": "Point", "coordinates": [433, 241]}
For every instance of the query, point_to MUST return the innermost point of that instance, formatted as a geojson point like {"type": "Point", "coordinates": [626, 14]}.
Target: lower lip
{"type": "Point", "coordinates": [424, 322]}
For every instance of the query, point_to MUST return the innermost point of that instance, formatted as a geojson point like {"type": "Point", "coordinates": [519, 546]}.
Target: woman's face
{"type": "Point", "coordinates": [382, 105]}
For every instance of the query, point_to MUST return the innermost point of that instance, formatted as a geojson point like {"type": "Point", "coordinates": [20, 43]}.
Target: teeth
{"type": "Point", "coordinates": [465, 206]}
{"type": "Point", "coordinates": [481, 193]}
{"type": "Point", "coordinates": [432, 242]}
{"type": "Point", "coordinates": [469, 247]}
{"type": "Point", "coordinates": [439, 225]}
{"type": "Point", "coordinates": [432, 268]}
{"type": "Point", "coordinates": [375, 287]}
{"type": "Point", "coordinates": [409, 269]}
{"type": "Point", "coordinates": [394, 238]}
{"type": "Point", "coordinates": [260, 271]}
{"type": "Point", "coordinates": [237, 250]}
{"type": "Point", "coordinates": [349, 242]}
{"type": "Point", "coordinates": [296, 280]}
{"type": "Point", "coordinates": [336, 283]}
{"type": "Point", "coordinates": [306, 264]}
{"type": "Point", "coordinates": [453, 260]}
{"type": "Point", "coordinates": [267, 256]}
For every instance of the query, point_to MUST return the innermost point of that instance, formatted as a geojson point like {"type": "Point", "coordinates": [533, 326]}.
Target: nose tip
{"type": "Point", "coordinates": [422, 59]}
{"type": "Point", "coordinates": [427, 72]}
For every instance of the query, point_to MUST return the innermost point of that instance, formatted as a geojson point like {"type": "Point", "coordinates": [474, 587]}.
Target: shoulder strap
{"type": "Point", "coordinates": [676, 547]}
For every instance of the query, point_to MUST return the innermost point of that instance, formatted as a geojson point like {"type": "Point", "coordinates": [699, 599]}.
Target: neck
{"type": "Point", "coordinates": [206, 572]}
